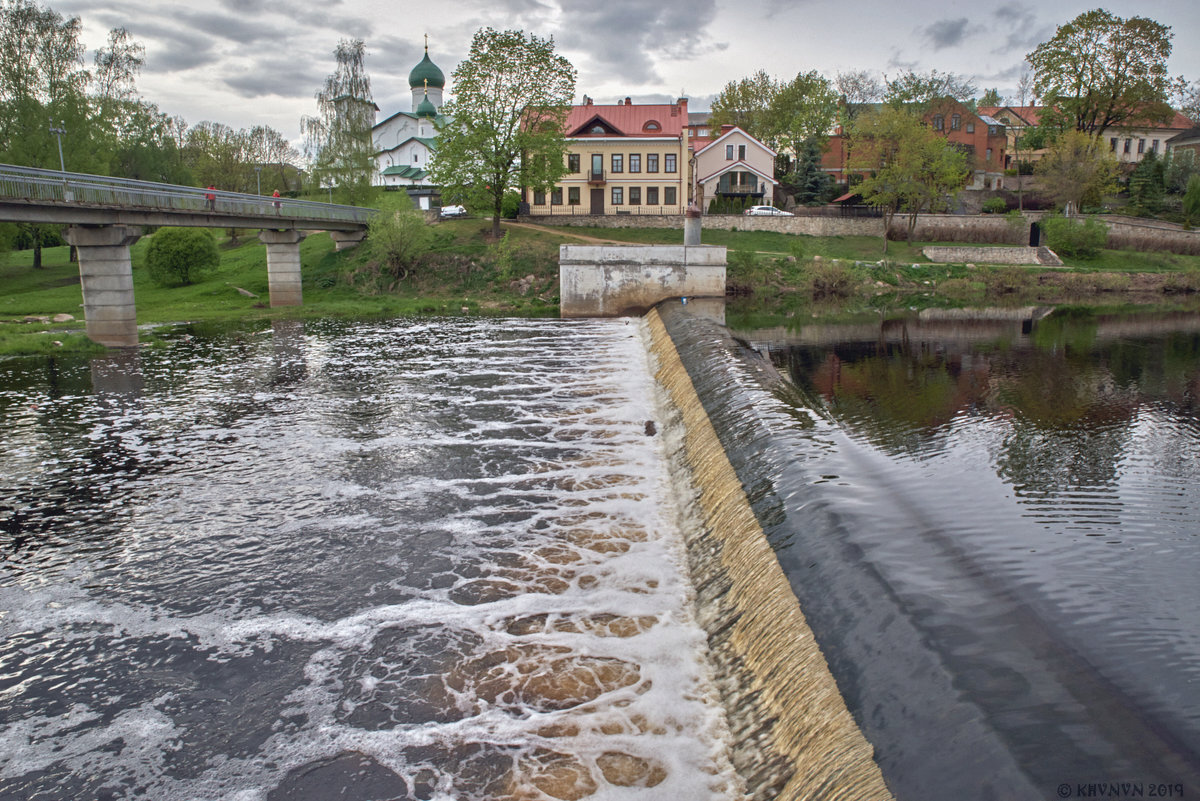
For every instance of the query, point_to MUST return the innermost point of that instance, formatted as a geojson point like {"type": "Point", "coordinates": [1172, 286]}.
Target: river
{"type": "Point", "coordinates": [433, 559]}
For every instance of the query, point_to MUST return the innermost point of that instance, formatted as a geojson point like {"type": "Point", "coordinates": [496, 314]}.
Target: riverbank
{"type": "Point", "coordinates": [773, 275]}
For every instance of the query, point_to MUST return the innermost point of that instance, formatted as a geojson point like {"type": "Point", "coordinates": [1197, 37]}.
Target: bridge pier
{"type": "Point", "coordinates": [283, 266]}
{"type": "Point", "coordinates": [106, 276]}
{"type": "Point", "coordinates": [343, 240]}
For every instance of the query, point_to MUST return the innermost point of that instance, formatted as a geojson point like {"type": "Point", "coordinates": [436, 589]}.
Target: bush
{"type": "Point", "coordinates": [995, 205]}
{"type": "Point", "coordinates": [181, 256]}
{"type": "Point", "coordinates": [828, 279]}
{"type": "Point", "coordinates": [398, 240]}
{"type": "Point", "coordinates": [1068, 237]}
{"type": "Point", "coordinates": [1009, 278]}
{"type": "Point", "coordinates": [510, 205]}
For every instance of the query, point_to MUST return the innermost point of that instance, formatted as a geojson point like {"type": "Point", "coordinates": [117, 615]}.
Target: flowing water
{"type": "Point", "coordinates": [423, 559]}
{"type": "Point", "coordinates": [992, 523]}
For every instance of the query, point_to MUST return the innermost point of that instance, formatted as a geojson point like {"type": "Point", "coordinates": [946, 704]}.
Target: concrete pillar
{"type": "Point", "coordinates": [691, 225]}
{"type": "Point", "coordinates": [343, 240]}
{"type": "Point", "coordinates": [283, 266]}
{"type": "Point", "coordinates": [106, 276]}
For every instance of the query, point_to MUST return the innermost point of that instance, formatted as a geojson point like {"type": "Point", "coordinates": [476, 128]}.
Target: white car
{"type": "Point", "coordinates": [766, 211]}
{"type": "Point", "coordinates": [453, 211]}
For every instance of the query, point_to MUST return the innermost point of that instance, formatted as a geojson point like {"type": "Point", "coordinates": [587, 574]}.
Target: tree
{"type": "Point", "coordinates": [338, 140]}
{"type": "Point", "coordinates": [1100, 70]}
{"type": "Point", "coordinates": [398, 240]}
{"type": "Point", "coordinates": [1077, 170]}
{"type": "Point", "coordinates": [1024, 89]}
{"type": "Point", "coordinates": [181, 256]}
{"type": "Point", "coordinates": [505, 128]}
{"type": "Point", "coordinates": [746, 103]}
{"type": "Point", "coordinates": [991, 97]}
{"type": "Point", "coordinates": [1191, 200]}
{"type": "Point", "coordinates": [858, 87]}
{"type": "Point", "coordinates": [1187, 97]}
{"type": "Point", "coordinates": [910, 168]}
{"type": "Point", "coordinates": [1181, 165]}
{"type": "Point", "coordinates": [1146, 185]}
{"type": "Point", "coordinates": [810, 184]}
{"type": "Point", "coordinates": [802, 110]}
{"type": "Point", "coordinates": [924, 88]}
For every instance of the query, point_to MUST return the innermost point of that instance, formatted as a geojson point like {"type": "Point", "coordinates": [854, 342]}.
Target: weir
{"type": "Point", "coordinates": [617, 280]}
{"type": "Point", "coordinates": [793, 737]}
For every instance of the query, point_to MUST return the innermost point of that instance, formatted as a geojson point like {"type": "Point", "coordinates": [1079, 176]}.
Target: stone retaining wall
{"type": "Point", "coordinates": [811, 226]}
{"type": "Point", "coordinates": [616, 280]}
{"type": "Point", "coordinates": [966, 255]}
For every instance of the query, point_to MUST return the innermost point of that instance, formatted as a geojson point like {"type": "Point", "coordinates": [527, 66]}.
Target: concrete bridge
{"type": "Point", "coordinates": [105, 215]}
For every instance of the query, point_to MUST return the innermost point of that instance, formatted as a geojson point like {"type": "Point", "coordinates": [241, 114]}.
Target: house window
{"type": "Point", "coordinates": [618, 195]}
{"type": "Point", "coordinates": [669, 162]}
{"type": "Point", "coordinates": [970, 127]}
{"type": "Point", "coordinates": [1128, 145]}
{"type": "Point", "coordinates": [669, 197]}
{"type": "Point", "coordinates": [729, 152]}
{"type": "Point", "coordinates": [556, 196]}
{"type": "Point", "coordinates": [939, 123]}
{"type": "Point", "coordinates": [618, 162]}
{"type": "Point", "coordinates": [652, 195]}
{"type": "Point", "coordinates": [1112, 144]}
{"type": "Point", "coordinates": [635, 162]}
{"type": "Point", "coordinates": [742, 152]}
{"type": "Point", "coordinates": [955, 122]}
{"type": "Point", "coordinates": [651, 162]}
{"type": "Point", "coordinates": [989, 155]}
{"type": "Point", "coordinates": [573, 196]}
{"type": "Point", "coordinates": [1141, 146]}
{"type": "Point", "coordinates": [635, 196]}
{"type": "Point", "coordinates": [993, 130]}
{"type": "Point", "coordinates": [652, 126]}
{"type": "Point", "coordinates": [539, 197]}
{"type": "Point", "coordinates": [572, 162]}
{"type": "Point", "coordinates": [701, 132]}
{"type": "Point", "coordinates": [416, 157]}
{"type": "Point", "coordinates": [1154, 146]}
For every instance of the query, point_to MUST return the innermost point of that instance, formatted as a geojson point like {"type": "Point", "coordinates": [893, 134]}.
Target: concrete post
{"type": "Point", "coordinates": [283, 266]}
{"type": "Point", "coordinates": [343, 240]}
{"type": "Point", "coordinates": [106, 276]}
{"type": "Point", "coordinates": [691, 225]}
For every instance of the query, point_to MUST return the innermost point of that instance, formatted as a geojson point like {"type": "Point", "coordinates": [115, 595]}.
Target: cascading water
{"type": "Point", "coordinates": [426, 559]}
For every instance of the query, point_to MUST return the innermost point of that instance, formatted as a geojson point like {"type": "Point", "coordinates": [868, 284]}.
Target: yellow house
{"type": "Point", "coordinates": [621, 159]}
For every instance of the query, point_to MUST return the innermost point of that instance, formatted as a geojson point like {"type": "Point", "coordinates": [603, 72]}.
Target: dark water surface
{"type": "Point", "coordinates": [992, 521]}
{"type": "Point", "coordinates": [424, 559]}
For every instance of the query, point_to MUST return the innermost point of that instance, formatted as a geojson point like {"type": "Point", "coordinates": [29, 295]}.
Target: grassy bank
{"type": "Point", "coordinates": [777, 276]}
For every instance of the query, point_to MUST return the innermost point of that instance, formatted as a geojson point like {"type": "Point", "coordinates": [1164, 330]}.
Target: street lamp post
{"type": "Point", "coordinates": [258, 177]}
{"type": "Point", "coordinates": [58, 132]}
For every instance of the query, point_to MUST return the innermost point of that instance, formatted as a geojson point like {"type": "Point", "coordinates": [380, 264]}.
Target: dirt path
{"type": "Point", "coordinates": [554, 229]}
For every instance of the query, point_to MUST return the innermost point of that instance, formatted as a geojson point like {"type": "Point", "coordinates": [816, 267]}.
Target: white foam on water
{"type": "Point", "coordinates": [570, 537]}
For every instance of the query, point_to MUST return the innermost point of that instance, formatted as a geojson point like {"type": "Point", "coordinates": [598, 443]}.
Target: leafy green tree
{"type": "Point", "coordinates": [1076, 169]}
{"type": "Point", "coordinates": [1100, 70]}
{"type": "Point", "coordinates": [909, 168]}
{"type": "Point", "coordinates": [1191, 199]}
{"type": "Point", "coordinates": [505, 123]}
{"type": "Point", "coordinates": [991, 97]}
{"type": "Point", "coordinates": [802, 111]}
{"type": "Point", "coordinates": [1181, 165]}
{"type": "Point", "coordinates": [923, 88]}
{"type": "Point", "coordinates": [1188, 100]}
{"type": "Point", "coordinates": [338, 140]}
{"type": "Point", "coordinates": [858, 87]}
{"type": "Point", "coordinates": [399, 239]}
{"type": "Point", "coordinates": [181, 256]}
{"type": "Point", "coordinates": [1146, 185]}
{"type": "Point", "coordinates": [747, 103]}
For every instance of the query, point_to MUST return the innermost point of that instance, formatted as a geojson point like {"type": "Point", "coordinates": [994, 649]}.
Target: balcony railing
{"type": "Point", "coordinates": [595, 176]}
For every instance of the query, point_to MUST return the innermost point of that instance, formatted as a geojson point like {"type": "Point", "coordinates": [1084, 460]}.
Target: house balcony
{"type": "Point", "coordinates": [595, 177]}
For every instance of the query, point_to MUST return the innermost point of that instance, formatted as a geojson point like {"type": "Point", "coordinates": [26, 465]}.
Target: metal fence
{"type": "Point", "coordinates": [33, 185]}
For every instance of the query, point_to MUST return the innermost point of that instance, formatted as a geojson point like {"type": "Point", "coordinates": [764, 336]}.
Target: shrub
{"type": "Point", "coordinates": [995, 205]}
{"type": "Point", "coordinates": [1068, 237]}
{"type": "Point", "coordinates": [398, 240]}
{"type": "Point", "coordinates": [1185, 282]}
{"type": "Point", "coordinates": [831, 280]}
{"type": "Point", "coordinates": [510, 204]}
{"type": "Point", "coordinates": [181, 256]}
{"type": "Point", "coordinates": [1008, 279]}
{"type": "Point", "coordinates": [742, 262]}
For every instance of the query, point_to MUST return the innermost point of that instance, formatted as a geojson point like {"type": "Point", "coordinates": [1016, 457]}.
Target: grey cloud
{"type": "Point", "coordinates": [622, 35]}
{"type": "Point", "coordinates": [276, 75]}
{"type": "Point", "coordinates": [947, 32]}
{"type": "Point", "coordinates": [1024, 31]}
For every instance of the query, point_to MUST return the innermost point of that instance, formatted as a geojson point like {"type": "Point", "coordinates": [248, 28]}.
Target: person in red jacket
{"type": "Point", "coordinates": [277, 200]}
{"type": "Point", "coordinates": [211, 197]}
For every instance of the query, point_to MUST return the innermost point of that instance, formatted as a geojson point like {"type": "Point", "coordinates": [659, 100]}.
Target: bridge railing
{"type": "Point", "coordinates": [34, 185]}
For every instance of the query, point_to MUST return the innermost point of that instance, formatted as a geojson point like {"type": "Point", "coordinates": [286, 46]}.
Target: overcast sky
{"type": "Point", "coordinates": [250, 62]}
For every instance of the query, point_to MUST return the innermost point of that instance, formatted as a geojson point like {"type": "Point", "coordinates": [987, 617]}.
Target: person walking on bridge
{"type": "Point", "coordinates": [277, 201]}
{"type": "Point", "coordinates": [211, 197]}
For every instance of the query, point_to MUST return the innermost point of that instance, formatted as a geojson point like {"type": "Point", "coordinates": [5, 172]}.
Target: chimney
{"type": "Point", "coordinates": [680, 107]}
{"type": "Point", "coordinates": [587, 101]}
{"type": "Point", "coordinates": [726, 128]}
{"type": "Point", "coordinates": [620, 102]}
{"type": "Point", "coordinates": [628, 102]}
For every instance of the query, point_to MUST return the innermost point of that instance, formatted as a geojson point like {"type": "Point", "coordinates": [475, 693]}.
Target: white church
{"type": "Point", "coordinates": [405, 141]}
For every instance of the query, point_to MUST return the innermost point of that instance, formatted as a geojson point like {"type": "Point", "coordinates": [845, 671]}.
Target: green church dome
{"type": "Point", "coordinates": [426, 108]}
{"type": "Point", "coordinates": [426, 71]}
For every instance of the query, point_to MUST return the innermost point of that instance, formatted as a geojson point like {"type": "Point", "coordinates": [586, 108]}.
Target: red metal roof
{"type": "Point", "coordinates": [630, 119]}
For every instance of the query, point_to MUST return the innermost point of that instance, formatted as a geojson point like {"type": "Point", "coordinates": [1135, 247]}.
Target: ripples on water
{"type": "Point", "coordinates": [433, 559]}
{"type": "Point", "coordinates": [995, 535]}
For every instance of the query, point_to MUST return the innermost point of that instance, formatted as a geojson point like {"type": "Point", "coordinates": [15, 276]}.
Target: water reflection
{"type": "Point", "coordinates": [990, 520]}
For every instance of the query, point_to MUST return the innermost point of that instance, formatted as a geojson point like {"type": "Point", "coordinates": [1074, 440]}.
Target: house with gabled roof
{"type": "Point", "coordinates": [733, 164]}
{"type": "Point", "coordinates": [623, 158]}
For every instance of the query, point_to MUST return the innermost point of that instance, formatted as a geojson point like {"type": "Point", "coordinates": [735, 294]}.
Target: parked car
{"type": "Point", "coordinates": [766, 211]}
{"type": "Point", "coordinates": [453, 211]}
